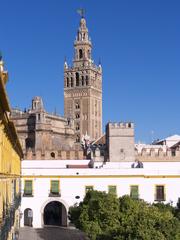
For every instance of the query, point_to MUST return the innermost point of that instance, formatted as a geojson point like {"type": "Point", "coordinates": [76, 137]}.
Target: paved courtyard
{"type": "Point", "coordinates": [51, 233]}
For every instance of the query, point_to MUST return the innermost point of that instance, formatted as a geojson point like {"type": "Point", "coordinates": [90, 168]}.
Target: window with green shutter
{"type": "Point", "coordinates": [55, 187]}
{"type": "Point", "coordinates": [160, 193]}
{"type": "Point", "coordinates": [88, 188]}
{"type": "Point", "coordinates": [112, 189]}
{"type": "Point", "coordinates": [28, 187]}
{"type": "Point", "coordinates": [134, 192]}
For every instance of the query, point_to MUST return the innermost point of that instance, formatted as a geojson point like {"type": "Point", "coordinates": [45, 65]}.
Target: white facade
{"type": "Point", "coordinates": [73, 182]}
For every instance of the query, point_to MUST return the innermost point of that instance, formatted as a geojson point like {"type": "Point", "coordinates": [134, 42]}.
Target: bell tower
{"type": "Point", "coordinates": [83, 88]}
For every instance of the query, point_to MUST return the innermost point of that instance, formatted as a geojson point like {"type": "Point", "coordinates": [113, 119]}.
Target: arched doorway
{"type": "Point", "coordinates": [28, 217]}
{"type": "Point", "coordinates": [55, 214]}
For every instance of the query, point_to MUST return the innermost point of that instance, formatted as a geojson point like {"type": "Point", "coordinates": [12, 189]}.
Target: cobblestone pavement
{"type": "Point", "coordinates": [51, 233]}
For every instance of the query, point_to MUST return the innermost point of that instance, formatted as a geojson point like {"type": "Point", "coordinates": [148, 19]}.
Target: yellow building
{"type": "Point", "coordinates": [10, 164]}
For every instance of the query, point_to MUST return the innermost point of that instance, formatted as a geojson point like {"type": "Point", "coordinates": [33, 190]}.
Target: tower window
{"type": "Point", "coordinates": [71, 82]}
{"type": "Point", "coordinates": [80, 53]}
{"type": "Point", "coordinates": [67, 82]}
{"type": "Point", "coordinates": [77, 115]}
{"type": "Point", "coordinates": [87, 81]}
{"type": "Point", "coordinates": [77, 106]}
{"type": "Point", "coordinates": [77, 126]}
{"type": "Point", "coordinates": [77, 79]}
{"type": "Point", "coordinates": [82, 80]}
{"type": "Point", "coordinates": [89, 54]}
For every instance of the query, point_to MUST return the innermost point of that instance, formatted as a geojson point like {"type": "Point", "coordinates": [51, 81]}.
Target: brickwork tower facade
{"type": "Point", "coordinates": [83, 88]}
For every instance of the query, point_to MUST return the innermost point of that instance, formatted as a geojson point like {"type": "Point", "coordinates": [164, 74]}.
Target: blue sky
{"type": "Point", "coordinates": [138, 43]}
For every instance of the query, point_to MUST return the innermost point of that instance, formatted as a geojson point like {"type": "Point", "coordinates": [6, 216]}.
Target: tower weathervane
{"type": "Point", "coordinates": [81, 12]}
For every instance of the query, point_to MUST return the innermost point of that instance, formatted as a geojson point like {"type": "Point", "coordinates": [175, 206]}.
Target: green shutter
{"type": "Point", "coordinates": [28, 187]}
{"type": "Point", "coordinates": [134, 192]}
{"type": "Point", "coordinates": [112, 190]}
{"type": "Point", "coordinates": [55, 186]}
{"type": "Point", "coordinates": [160, 193]}
{"type": "Point", "coordinates": [89, 188]}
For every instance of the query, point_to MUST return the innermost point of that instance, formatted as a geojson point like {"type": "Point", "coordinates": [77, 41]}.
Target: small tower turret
{"type": "Point", "coordinates": [37, 104]}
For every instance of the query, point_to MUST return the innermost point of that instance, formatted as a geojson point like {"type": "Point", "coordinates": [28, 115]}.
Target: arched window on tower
{"type": "Point", "coordinates": [77, 79]}
{"type": "Point", "coordinates": [72, 82]}
{"type": "Point", "coordinates": [77, 115]}
{"type": "Point", "coordinates": [77, 105]}
{"type": "Point", "coordinates": [82, 80]}
{"type": "Point", "coordinates": [89, 54]}
{"type": "Point", "coordinates": [67, 82]}
{"type": "Point", "coordinates": [77, 126]}
{"type": "Point", "coordinates": [80, 54]}
{"type": "Point", "coordinates": [87, 81]}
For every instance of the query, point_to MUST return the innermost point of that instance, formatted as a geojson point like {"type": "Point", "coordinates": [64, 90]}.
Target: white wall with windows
{"type": "Point", "coordinates": [45, 181]}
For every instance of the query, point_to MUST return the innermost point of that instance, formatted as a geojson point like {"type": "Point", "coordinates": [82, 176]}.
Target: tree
{"type": "Point", "coordinates": [140, 220]}
{"type": "Point", "coordinates": [104, 217]}
{"type": "Point", "coordinates": [97, 215]}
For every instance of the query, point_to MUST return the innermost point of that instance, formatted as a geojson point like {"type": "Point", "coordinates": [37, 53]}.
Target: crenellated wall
{"type": "Point", "coordinates": [54, 155]}
{"type": "Point", "coordinates": [154, 154]}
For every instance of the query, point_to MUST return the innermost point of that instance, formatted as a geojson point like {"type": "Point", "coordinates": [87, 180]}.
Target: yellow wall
{"type": "Point", "coordinates": [10, 163]}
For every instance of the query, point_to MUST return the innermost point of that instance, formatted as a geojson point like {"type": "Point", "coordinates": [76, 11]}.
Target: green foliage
{"type": "Point", "coordinates": [104, 217]}
{"type": "Point", "coordinates": [97, 214]}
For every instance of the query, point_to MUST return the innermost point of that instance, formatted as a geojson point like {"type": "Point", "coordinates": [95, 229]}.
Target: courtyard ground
{"type": "Point", "coordinates": [51, 233]}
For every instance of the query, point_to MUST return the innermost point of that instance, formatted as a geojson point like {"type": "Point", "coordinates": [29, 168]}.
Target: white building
{"type": "Point", "coordinates": [49, 188]}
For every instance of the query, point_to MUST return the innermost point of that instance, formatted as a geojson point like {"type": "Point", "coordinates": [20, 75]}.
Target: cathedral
{"type": "Point", "coordinates": [50, 136]}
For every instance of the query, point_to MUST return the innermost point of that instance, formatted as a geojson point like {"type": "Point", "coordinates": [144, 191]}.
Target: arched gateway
{"type": "Point", "coordinates": [54, 213]}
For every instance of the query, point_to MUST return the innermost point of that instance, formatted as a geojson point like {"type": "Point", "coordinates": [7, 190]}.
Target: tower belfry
{"type": "Point", "coordinates": [83, 87]}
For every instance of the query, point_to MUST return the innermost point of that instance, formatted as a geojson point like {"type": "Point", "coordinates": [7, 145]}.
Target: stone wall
{"type": "Point", "coordinates": [120, 142]}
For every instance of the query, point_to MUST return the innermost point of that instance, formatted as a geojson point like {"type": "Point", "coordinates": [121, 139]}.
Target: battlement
{"type": "Point", "coordinates": [120, 125]}
{"type": "Point", "coordinates": [158, 153]}
{"type": "Point", "coordinates": [54, 155]}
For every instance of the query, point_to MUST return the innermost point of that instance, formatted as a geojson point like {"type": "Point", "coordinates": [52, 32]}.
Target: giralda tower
{"type": "Point", "coordinates": [83, 88]}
